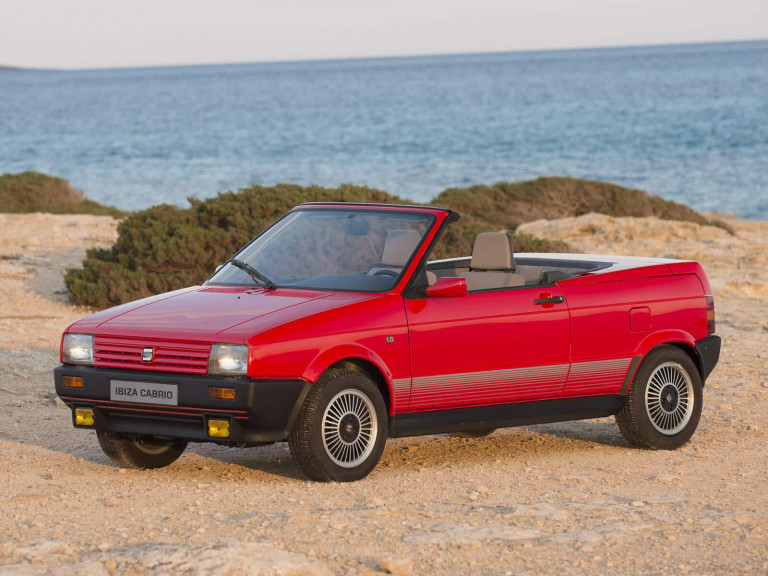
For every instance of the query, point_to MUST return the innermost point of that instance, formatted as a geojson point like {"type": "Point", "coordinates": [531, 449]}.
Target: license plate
{"type": "Point", "coordinates": [144, 392]}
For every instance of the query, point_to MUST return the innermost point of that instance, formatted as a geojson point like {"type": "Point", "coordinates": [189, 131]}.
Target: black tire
{"type": "Point", "coordinates": [356, 421]}
{"type": "Point", "coordinates": [473, 433]}
{"type": "Point", "coordinates": [663, 407]}
{"type": "Point", "coordinates": [141, 453]}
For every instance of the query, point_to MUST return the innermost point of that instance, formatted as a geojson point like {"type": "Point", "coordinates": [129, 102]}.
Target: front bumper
{"type": "Point", "coordinates": [262, 410]}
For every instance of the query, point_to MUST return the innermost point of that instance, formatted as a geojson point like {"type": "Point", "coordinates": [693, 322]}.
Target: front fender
{"type": "Point", "coordinates": [330, 356]}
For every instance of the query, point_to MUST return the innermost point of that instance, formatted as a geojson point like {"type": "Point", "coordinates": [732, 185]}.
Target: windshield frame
{"type": "Point", "coordinates": [429, 211]}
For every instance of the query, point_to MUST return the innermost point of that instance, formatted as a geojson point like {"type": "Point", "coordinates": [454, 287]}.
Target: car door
{"type": "Point", "coordinates": [491, 347]}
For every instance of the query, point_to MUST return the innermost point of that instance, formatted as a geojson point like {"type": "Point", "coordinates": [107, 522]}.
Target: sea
{"type": "Point", "coordinates": [685, 122]}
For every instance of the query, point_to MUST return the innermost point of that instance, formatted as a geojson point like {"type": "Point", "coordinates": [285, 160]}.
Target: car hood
{"type": "Point", "coordinates": [204, 313]}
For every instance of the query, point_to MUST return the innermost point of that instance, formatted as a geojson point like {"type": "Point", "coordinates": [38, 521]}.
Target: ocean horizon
{"type": "Point", "coordinates": [686, 122]}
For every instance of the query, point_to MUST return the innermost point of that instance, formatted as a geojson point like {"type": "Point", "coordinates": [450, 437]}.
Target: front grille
{"type": "Point", "coordinates": [180, 357]}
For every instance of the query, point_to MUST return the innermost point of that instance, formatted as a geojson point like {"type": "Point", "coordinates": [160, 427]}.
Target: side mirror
{"type": "Point", "coordinates": [448, 288]}
{"type": "Point", "coordinates": [219, 267]}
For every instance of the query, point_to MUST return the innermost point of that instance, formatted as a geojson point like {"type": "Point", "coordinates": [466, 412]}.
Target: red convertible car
{"type": "Point", "coordinates": [334, 330]}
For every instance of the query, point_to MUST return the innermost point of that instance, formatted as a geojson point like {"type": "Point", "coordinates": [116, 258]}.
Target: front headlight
{"type": "Point", "coordinates": [228, 360]}
{"type": "Point", "coordinates": [77, 349]}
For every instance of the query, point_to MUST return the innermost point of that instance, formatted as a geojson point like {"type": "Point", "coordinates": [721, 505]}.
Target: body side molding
{"type": "Point", "coordinates": [504, 415]}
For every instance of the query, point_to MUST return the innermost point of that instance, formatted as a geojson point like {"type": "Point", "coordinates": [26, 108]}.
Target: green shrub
{"type": "Point", "coordinates": [507, 205]}
{"type": "Point", "coordinates": [34, 192]}
{"type": "Point", "coordinates": [165, 247]}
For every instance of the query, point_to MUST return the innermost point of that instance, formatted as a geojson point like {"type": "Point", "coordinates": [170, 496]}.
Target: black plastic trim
{"type": "Point", "coordinates": [422, 207]}
{"type": "Point", "coordinates": [630, 373]}
{"type": "Point", "coordinates": [708, 354]}
{"type": "Point", "coordinates": [262, 411]}
{"type": "Point", "coordinates": [504, 415]}
{"type": "Point", "coordinates": [554, 262]}
{"type": "Point", "coordinates": [551, 300]}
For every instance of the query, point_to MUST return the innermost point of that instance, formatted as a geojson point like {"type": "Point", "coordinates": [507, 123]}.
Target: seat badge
{"type": "Point", "coordinates": [146, 354]}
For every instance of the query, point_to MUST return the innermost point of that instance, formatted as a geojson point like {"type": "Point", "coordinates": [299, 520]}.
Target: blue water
{"type": "Point", "coordinates": [689, 123]}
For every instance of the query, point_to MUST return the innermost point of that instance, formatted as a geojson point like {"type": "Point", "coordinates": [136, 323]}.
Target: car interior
{"type": "Point", "coordinates": [493, 266]}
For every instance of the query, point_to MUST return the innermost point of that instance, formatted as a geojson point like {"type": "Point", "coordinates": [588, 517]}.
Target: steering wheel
{"type": "Point", "coordinates": [385, 272]}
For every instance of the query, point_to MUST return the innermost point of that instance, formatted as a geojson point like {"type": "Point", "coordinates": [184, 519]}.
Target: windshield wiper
{"type": "Point", "coordinates": [253, 273]}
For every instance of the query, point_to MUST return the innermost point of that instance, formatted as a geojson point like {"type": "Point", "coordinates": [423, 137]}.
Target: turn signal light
{"type": "Point", "coordinates": [710, 315]}
{"type": "Point", "coordinates": [84, 416]}
{"type": "Point", "coordinates": [218, 428]}
{"type": "Point", "coordinates": [221, 393]}
{"type": "Point", "coordinates": [72, 381]}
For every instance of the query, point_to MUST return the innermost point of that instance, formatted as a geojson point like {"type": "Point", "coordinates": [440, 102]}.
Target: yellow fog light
{"type": "Point", "coordinates": [218, 428]}
{"type": "Point", "coordinates": [84, 416]}
{"type": "Point", "coordinates": [72, 381]}
{"type": "Point", "coordinates": [221, 393]}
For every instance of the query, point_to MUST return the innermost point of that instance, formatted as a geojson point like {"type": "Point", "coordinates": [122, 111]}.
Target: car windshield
{"type": "Point", "coordinates": [330, 249]}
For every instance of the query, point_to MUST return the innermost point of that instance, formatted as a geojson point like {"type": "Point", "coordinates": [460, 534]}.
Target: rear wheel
{"type": "Point", "coordinates": [145, 452]}
{"type": "Point", "coordinates": [341, 429]}
{"type": "Point", "coordinates": [664, 403]}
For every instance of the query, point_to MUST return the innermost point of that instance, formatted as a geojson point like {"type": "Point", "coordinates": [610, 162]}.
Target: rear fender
{"type": "Point", "coordinates": [665, 337]}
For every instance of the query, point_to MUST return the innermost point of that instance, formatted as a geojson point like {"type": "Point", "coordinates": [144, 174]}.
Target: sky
{"type": "Point", "coordinates": [119, 33]}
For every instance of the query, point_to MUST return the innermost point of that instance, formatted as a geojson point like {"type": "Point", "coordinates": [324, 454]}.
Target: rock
{"type": "Point", "coordinates": [396, 565]}
{"type": "Point", "coordinates": [252, 558]}
{"type": "Point", "coordinates": [474, 496]}
{"type": "Point", "coordinates": [466, 534]}
{"type": "Point", "coordinates": [92, 568]}
{"type": "Point", "coordinates": [43, 550]}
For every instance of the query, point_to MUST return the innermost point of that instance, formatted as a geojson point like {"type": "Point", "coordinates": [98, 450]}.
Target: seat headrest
{"type": "Point", "coordinates": [399, 246]}
{"type": "Point", "coordinates": [493, 251]}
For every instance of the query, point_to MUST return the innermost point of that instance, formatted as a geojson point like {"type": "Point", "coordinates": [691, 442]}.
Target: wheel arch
{"type": "Point", "coordinates": [691, 352]}
{"type": "Point", "coordinates": [372, 371]}
{"type": "Point", "coordinates": [355, 358]}
{"type": "Point", "coordinates": [678, 339]}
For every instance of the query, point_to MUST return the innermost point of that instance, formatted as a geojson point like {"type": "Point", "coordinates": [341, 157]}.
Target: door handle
{"type": "Point", "coordinates": [550, 300]}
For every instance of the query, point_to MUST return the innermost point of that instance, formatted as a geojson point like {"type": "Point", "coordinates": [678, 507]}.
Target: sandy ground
{"type": "Point", "coordinates": [569, 498]}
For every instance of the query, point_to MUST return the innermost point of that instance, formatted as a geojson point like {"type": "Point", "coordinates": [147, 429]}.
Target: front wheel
{"type": "Point", "coordinates": [342, 428]}
{"type": "Point", "coordinates": [140, 453]}
{"type": "Point", "coordinates": [664, 403]}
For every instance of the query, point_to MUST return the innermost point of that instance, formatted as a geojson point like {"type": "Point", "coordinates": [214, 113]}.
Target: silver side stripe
{"type": "Point", "coordinates": [589, 369]}
{"type": "Point", "coordinates": [531, 376]}
{"type": "Point", "coordinates": [601, 376]}
{"type": "Point", "coordinates": [401, 392]}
